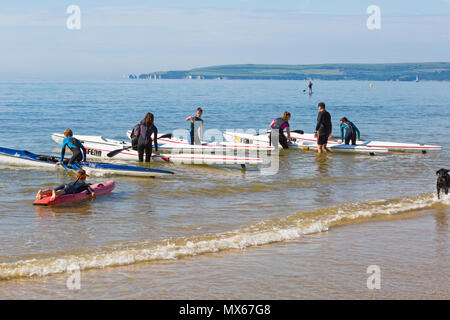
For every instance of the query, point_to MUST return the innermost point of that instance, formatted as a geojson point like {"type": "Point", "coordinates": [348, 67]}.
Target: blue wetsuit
{"type": "Point", "coordinates": [78, 150]}
{"type": "Point", "coordinates": [350, 133]}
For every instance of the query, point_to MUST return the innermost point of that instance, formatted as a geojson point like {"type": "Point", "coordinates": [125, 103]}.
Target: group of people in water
{"type": "Point", "coordinates": [145, 134]}
{"type": "Point", "coordinates": [322, 132]}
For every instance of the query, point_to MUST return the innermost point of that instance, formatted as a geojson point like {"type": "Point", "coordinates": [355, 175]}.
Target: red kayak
{"type": "Point", "coordinates": [99, 189]}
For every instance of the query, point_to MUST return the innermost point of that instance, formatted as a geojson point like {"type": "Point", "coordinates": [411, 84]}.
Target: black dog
{"type": "Point", "coordinates": [443, 181]}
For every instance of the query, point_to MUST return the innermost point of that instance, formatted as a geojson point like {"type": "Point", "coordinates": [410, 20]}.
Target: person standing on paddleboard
{"type": "Point", "coordinates": [323, 128]}
{"type": "Point", "coordinates": [350, 133]}
{"type": "Point", "coordinates": [77, 186]}
{"type": "Point", "coordinates": [194, 120]}
{"type": "Point", "coordinates": [77, 148]}
{"type": "Point", "coordinates": [142, 134]}
{"type": "Point", "coordinates": [310, 87]}
{"type": "Point", "coordinates": [279, 124]}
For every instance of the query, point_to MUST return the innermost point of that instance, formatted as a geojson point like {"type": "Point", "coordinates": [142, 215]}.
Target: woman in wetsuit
{"type": "Point", "coordinates": [280, 124]}
{"type": "Point", "coordinates": [77, 148]}
{"type": "Point", "coordinates": [144, 138]}
{"type": "Point", "coordinates": [351, 131]}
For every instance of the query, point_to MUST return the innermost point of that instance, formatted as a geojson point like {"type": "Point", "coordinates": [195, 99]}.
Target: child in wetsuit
{"type": "Point", "coordinates": [77, 186]}
{"type": "Point", "coordinates": [78, 150]}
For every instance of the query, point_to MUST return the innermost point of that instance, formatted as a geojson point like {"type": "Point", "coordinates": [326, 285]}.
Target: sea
{"type": "Point", "coordinates": [330, 226]}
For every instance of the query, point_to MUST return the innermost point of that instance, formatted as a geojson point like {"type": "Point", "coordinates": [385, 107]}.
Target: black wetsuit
{"type": "Point", "coordinates": [76, 186]}
{"type": "Point", "coordinates": [323, 127]}
{"type": "Point", "coordinates": [77, 148]}
{"type": "Point", "coordinates": [145, 141]}
{"type": "Point", "coordinates": [280, 124]}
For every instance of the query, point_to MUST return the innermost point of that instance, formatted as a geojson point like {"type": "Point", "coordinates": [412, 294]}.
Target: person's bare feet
{"type": "Point", "coordinates": [53, 195]}
{"type": "Point", "coordinates": [39, 195]}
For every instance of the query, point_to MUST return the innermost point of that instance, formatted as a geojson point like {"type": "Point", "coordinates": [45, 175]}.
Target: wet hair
{"type": "Point", "coordinates": [321, 105]}
{"type": "Point", "coordinates": [80, 173]}
{"type": "Point", "coordinates": [343, 119]}
{"type": "Point", "coordinates": [68, 133]}
{"type": "Point", "coordinates": [285, 115]}
{"type": "Point", "coordinates": [148, 119]}
{"type": "Point", "coordinates": [200, 109]}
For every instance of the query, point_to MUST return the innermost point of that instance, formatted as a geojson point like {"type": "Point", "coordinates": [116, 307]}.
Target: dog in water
{"type": "Point", "coordinates": [443, 181]}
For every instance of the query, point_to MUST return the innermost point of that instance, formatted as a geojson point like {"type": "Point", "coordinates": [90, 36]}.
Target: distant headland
{"type": "Point", "coordinates": [427, 71]}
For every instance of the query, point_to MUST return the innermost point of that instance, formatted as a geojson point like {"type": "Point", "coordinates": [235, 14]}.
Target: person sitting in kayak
{"type": "Point", "coordinates": [77, 186]}
{"type": "Point", "coordinates": [193, 119]}
{"type": "Point", "coordinates": [280, 124]}
{"type": "Point", "coordinates": [351, 131]}
{"type": "Point", "coordinates": [77, 148]}
{"type": "Point", "coordinates": [145, 131]}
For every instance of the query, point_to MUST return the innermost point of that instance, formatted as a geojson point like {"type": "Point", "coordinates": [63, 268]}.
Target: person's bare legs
{"type": "Point", "coordinates": [53, 195]}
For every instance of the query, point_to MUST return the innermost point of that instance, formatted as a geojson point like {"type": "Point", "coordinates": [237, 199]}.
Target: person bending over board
{"type": "Point", "coordinates": [77, 148]}
{"type": "Point", "coordinates": [144, 139]}
{"type": "Point", "coordinates": [197, 119]}
{"type": "Point", "coordinates": [77, 186]}
{"type": "Point", "coordinates": [351, 131]}
{"type": "Point", "coordinates": [280, 124]}
{"type": "Point", "coordinates": [323, 128]}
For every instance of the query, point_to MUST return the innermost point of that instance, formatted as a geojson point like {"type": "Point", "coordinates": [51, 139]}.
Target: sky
{"type": "Point", "coordinates": [117, 38]}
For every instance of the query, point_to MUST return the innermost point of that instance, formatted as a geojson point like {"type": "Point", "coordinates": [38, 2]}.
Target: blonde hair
{"type": "Point", "coordinates": [68, 132]}
{"type": "Point", "coordinates": [285, 115]}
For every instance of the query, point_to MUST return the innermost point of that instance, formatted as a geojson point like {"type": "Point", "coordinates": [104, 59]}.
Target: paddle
{"type": "Point", "coordinates": [117, 151]}
{"type": "Point", "coordinates": [298, 131]}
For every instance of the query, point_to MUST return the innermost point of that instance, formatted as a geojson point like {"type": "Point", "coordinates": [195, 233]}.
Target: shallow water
{"type": "Point", "coordinates": [202, 214]}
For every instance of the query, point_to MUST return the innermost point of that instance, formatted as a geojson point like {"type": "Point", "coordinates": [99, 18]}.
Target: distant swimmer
{"type": "Point", "coordinates": [310, 87]}
{"type": "Point", "coordinates": [280, 124]}
{"type": "Point", "coordinates": [196, 121]}
{"type": "Point", "coordinates": [351, 131]}
{"type": "Point", "coordinates": [323, 128]}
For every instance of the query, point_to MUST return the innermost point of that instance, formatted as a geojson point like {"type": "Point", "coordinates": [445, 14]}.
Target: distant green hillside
{"type": "Point", "coordinates": [387, 71]}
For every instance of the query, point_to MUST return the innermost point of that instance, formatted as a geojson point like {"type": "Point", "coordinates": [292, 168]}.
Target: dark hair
{"type": "Point", "coordinates": [344, 119]}
{"type": "Point", "coordinates": [148, 119]}
{"type": "Point", "coordinates": [200, 109]}
{"type": "Point", "coordinates": [321, 105]}
{"type": "Point", "coordinates": [285, 115]}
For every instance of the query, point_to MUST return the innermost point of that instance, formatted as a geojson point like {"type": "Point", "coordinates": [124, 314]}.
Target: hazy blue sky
{"type": "Point", "coordinates": [122, 37]}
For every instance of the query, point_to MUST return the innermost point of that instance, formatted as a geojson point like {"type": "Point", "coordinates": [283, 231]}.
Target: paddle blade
{"type": "Point", "coordinates": [168, 136]}
{"type": "Point", "coordinates": [115, 152]}
{"type": "Point", "coordinates": [299, 131]}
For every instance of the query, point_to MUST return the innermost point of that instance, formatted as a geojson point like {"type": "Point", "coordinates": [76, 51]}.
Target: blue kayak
{"type": "Point", "coordinates": [26, 158]}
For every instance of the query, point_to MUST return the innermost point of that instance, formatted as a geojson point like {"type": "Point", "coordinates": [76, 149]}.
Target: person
{"type": "Point", "coordinates": [323, 128]}
{"type": "Point", "coordinates": [77, 186]}
{"type": "Point", "coordinates": [350, 133]}
{"type": "Point", "coordinates": [143, 136]}
{"type": "Point", "coordinates": [77, 148]}
{"type": "Point", "coordinates": [310, 87]}
{"type": "Point", "coordinates": [193, 120]}
{"type": "Point", "coordinates": [280, 124]}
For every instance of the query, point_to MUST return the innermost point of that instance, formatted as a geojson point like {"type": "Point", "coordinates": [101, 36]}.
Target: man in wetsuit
{"type": "Point", "coordinates": [351, 131]}
{"type": "Point", "coordinates": [323, 128]}
{"type": "Point", "coordinates": [196, 119]}
{"type": "Point", "coordinates": [78, 150]}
